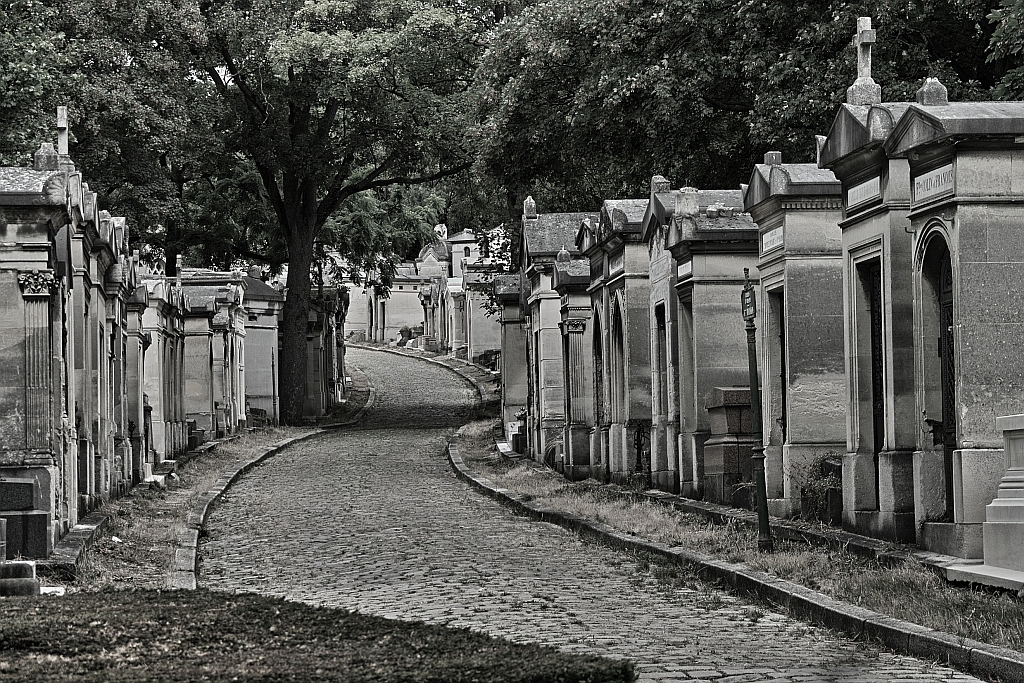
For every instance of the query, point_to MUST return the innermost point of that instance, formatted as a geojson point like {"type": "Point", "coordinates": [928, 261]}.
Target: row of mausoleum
{"type": "Point", "coordinates": [438, 302]}
{"type": "Point", "coordinates": [112, 370]}
{"type": "Point", "coordinates": [889, 331]}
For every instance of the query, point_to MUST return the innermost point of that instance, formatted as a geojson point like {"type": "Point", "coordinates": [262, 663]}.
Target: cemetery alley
{"type": "Point", "coordinates": [371, 518]}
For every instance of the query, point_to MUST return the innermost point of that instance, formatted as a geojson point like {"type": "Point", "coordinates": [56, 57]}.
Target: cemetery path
{"type": "Point", "coordinates": [372, 519]}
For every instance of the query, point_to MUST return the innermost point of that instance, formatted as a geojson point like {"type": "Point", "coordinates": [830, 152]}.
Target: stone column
{"type": "Point", "coordinates": [35, 289]}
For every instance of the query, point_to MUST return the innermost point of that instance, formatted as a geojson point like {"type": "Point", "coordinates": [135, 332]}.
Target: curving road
{"type": "Point", "coordinates": [372, 519]}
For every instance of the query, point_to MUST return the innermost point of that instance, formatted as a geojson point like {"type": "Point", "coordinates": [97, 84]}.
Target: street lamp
{"type": "Point", "coordinates": [749, 305]}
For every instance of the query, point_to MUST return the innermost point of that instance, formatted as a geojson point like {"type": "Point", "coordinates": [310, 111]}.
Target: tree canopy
{"type": "Point", "coordinates": [595, 97]}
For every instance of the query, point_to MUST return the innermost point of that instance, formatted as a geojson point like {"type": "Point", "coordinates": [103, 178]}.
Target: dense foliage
{"type": "Point", "coordinates": [596, 97]}
{"type": "Point", "coordinates": [297, 132]}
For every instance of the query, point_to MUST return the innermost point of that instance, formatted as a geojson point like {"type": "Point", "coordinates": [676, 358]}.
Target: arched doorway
{"type": "Point", "coordinates": [938, 332]}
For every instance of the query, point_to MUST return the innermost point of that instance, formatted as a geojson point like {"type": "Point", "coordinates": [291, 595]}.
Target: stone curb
{"type": "Point", "coordinates": [185, 564]}
{"type": "Point", "coordinates": [977, 658]}
{"type": "Point", "coordinates": [370, 400]}
{"type": "Point", "coordinates": [63, 562]}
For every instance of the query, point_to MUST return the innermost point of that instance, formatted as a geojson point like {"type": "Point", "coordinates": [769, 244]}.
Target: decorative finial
{"type": "Point", "coordinates": [660, 184]}
{"type": "Point", "coordinates": [773, 158]}
{"type": "Point", "coordinates": [529, 208]}
{"type": "Point", "coordinates": [864, 90]}
{"type": "Point", "coordinates": [932, 93]}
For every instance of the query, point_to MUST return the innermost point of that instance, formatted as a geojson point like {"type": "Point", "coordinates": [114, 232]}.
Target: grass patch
{"type": "Point", "coordinates": [137, 547]}
{"type": "Point", "coordinates": [907, 591]}
{"type": "Point", "coordinates": [203, 635]}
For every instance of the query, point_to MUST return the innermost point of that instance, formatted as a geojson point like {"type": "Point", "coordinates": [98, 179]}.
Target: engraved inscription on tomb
{"type": "Point", "coordinates": [934, 183]}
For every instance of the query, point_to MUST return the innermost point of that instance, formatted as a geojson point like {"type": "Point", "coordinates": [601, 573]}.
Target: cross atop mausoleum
{"type": "Point", "coordinates": [864, 90]}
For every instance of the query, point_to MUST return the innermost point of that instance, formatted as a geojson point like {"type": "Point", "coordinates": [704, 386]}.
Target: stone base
{"type": "Point", "coordinates": [665, 480]}
{"type": "Point", "coordinates": [890, 526]}
{"type": "Point", "coordinates": [958, 540]}
{"type": "Point", "coordinates": [785, 508]}
{"type": "Point", "coordinates": [986, 575]}
{"type": "Point", "coordinates": [1003, 544]}
{"type": "Point", "coordinates": [28, 534]}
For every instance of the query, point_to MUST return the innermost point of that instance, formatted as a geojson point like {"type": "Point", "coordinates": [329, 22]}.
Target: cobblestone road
{"type": "Point", "coordinates": [371, 519]}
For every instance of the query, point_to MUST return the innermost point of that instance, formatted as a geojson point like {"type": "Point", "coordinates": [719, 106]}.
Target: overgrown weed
{"type": "Point", "coordinates": [907, 590]}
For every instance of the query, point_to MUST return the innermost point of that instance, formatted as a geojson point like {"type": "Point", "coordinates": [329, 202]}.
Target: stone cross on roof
{"type": "Point", "coordinates": [864, 90]}
{"type": "Point", "coordinates": [62, 130]}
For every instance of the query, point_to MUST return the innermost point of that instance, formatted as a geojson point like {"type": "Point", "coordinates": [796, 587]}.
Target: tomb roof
{"type": "Point", "coordinates": [858, 127]}
{"type": "Point", "coordinates": [258, 289]}
{"type": "Point", "coordinates": [572, 272]}
{"type": "Point", "coordinates": [923, 124]}
{"type": "Point", "coordinates": [439, 248]}
{"type": "Point", "coordinates": [769, 180]}
{"type": "Point", "coordinates": [462, 236]}
{"type": "Point", "coordinates": [22, 181]}
{"type": "Point", "coordinates": [735, 223]}
{"type": "Point", "coordinates": [548, 233]}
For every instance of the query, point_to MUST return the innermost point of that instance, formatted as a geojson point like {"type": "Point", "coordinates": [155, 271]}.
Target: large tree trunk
{"type": "Point", "coordinates": [292, 378]}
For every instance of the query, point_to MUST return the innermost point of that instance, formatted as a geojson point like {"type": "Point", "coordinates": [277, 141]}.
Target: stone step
{"type": "Point", "coordinates": [20, 569]}
{"type": "Point", "coordinates": [19, 587]}
{"type": "Point", "coordinates": [165, 467]}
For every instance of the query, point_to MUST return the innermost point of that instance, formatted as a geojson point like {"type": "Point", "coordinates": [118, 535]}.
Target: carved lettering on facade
{"type": "Point", "coordinates": [934, 183]}
{"type": "Point", "coordinates": [36, 283]}
{"type": "Point", "coordinates": [862, 193]}
{"type": "Point", "coordinates": [684, 269]}
{"type": "Point", "coordinates": [773, 239]}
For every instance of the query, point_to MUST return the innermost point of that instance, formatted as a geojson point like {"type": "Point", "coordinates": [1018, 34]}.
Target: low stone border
{"type": "Point", "coordinates": [184, 565]}
{"type": "Point", "coordinates": [980, 659]}
{"type": "Point", "coordinates": [63, 562]}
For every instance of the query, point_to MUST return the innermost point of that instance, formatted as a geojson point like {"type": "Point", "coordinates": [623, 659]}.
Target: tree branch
{"type": "Point", "coordinates": [741, 107]}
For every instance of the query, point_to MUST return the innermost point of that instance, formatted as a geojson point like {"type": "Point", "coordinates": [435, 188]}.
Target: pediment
{"type": "Point", "coordinates": [849, 133]}
{"type": "Point", "coordinates": [915, 128]}
{"type": "Point", "coordinates": [759, 188]}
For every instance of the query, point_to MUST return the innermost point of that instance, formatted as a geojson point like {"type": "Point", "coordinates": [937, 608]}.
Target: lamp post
{"type": "Point", "coordinates": [749, 305]}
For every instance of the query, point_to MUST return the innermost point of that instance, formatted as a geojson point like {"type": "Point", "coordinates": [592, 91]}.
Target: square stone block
{"type": "Point", "coordinates": [28, 534]}
{"type": "Point", "coordinates": [17, 494]}
{"type": "Point", "coordinates": [976, 477]}
{"type": "Point", "coordinates": [1004, 545]}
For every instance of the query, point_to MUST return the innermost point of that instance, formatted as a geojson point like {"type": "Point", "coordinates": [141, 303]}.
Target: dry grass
{"type": "Point", "coordinates": [136, 550]}
{"type": "Point", "coordinates": [908, 591]}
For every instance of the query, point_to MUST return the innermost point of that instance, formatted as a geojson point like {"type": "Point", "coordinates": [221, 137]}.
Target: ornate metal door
{"type": "Point", "coordinates": [948, 379]}
{"type": "Point", "coordinates": [874, 286]}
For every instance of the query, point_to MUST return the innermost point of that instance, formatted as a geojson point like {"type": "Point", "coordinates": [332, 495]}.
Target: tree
{"type": "Point", "coordinates": [1007, 47]}
{"type": "Point", "coordinates": [330, 99]}
{"type": "Point", "coordinates": [588, 100]}
{"type": "Point", "coordinates": [32, 70]}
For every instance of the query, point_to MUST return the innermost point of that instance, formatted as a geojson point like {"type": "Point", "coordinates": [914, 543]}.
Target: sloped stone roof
{"type": "Point", "coordinates": [549, 232]}
{"type": "Point", "coordinates": [258, 289]}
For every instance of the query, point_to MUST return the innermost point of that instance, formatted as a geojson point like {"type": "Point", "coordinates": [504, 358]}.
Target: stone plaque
{"type": "Point", "coordinates": [684, 269]}
{"type": "Point", "coordinates": [863, 193]}
{"type": "Point", "coordinates": [772, 239]}
{"type": "Point", "coordinates": [934, 183]}
{"type": "Point", "coordinates": [616, 263]}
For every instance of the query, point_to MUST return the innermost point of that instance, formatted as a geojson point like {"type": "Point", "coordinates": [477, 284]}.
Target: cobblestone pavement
{"type": "Point", "coordinates": [372, 519]}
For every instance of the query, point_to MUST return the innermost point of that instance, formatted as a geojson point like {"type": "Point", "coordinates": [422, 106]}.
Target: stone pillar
{"type": "Point", "coordinates": [727, 453]}
{"type": "Point", "coordinates": [35, 288]}
{"type": "Point", "coordinates": [577, 432]}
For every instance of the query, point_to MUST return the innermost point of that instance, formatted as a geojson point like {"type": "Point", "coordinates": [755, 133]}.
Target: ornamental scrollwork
{"type": "Point", "coordinates": [575, 325]}
{"type": "Point", "coordinates": [36, 283]}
